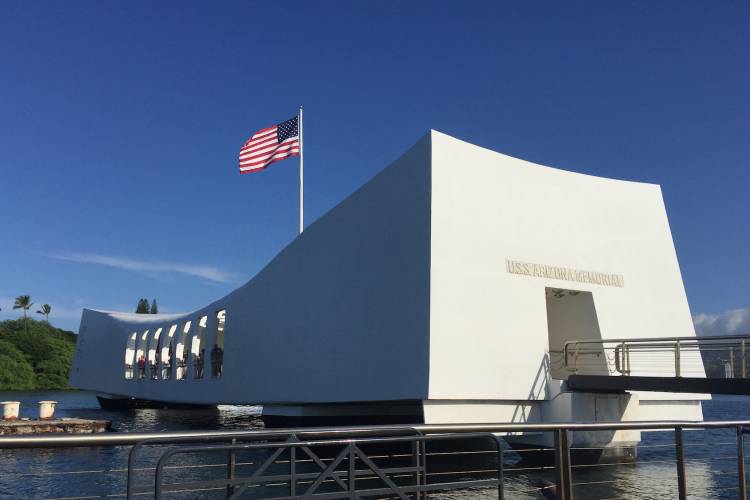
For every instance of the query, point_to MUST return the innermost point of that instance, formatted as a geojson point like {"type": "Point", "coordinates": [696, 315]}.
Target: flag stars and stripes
{"type": "Point", "coordinates": [270, 145]}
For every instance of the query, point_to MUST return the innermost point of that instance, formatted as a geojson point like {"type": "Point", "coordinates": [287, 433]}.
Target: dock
{"type": "Point", "coordinates": [53, 426]}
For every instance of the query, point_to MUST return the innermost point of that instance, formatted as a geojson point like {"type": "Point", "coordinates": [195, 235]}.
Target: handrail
{"type": "Point", "coordinates": [623, 350]}
{"type": "Point", "coordinates": [350, 452]}
{"type": "Point", "coordinates": [129, 438]}
{"type": "Point", "coordinates": [331, 435]}
{"type": "Point", "coordinates": [667, 339]}
{"type": "Point", "coordinates": [247, 436]}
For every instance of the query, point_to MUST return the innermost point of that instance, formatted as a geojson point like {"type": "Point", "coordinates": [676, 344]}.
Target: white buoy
{"type": "Point", "coordinates": [10, 409]}
{"type": "Point", "coordinates": [47, 409]}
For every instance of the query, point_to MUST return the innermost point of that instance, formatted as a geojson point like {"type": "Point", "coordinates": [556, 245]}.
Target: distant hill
{"type": "Point", "coordinates": [40, 359]}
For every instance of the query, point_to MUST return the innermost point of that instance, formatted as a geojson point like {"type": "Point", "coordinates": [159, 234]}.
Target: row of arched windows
{"type": "Point", "coordinates": [189, 349]}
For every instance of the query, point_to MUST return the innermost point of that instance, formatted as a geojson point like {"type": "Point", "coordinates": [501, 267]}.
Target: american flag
{"type": "Point", "coordinates": [269, 145]}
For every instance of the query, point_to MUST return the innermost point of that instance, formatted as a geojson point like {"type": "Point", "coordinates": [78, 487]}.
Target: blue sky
{"type": "Point", "coordinates": [120, 123]}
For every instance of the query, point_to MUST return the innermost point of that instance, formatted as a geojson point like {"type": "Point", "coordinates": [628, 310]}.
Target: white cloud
{"type": "Point", "coordinates": [734, 322]}
{"type": "Point", "coordinates": [210, 273]}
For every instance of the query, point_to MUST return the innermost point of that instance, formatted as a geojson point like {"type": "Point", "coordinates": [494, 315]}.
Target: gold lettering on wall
{"type": "Point", "coordinates": [564, 273]}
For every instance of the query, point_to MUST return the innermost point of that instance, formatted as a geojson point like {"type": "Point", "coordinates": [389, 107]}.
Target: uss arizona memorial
{"type": "Point", "coordinates": [443, 290]}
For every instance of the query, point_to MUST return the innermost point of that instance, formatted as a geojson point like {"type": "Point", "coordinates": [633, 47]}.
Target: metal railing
{"type": "Point", "coordinates": [349, 443]}
{"type": "Point", "coordinates": [343, 469]}
{"type": "Point", "coordinates": [717, 357]}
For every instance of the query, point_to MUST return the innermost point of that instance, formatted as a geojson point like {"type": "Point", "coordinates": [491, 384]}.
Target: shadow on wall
{"type": "Point", "coordinates": [531, 412]}
{"type": "Point", "coordinates": [571, 315]}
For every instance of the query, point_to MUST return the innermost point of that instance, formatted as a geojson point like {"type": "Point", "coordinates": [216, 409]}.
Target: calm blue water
{"type": "Point", "coordinates": [100, 472]}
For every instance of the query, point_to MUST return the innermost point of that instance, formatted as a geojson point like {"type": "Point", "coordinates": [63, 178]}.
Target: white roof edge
{"type": "Point", "coordinates": [142, 318]}
{"type": "Point", "coordinates": [437, 133]}
{"type": "Point", "coordinates": [431, 134]}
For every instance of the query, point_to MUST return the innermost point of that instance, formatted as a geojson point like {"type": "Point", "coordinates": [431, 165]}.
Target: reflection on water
{"type": "Point", "coordinates": [77, 472]}
{"type": "Point", "coordinates": [223, 417]}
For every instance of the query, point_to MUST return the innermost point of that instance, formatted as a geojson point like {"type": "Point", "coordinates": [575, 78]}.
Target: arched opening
{"type": "Point", "coordinates": [217, 351]}
{"type": "Point", "coordinates": [167, 353]}
{"type": "Point", "coordinates": [153, 354]}
{"type": "Point", "coordinates": [197, 347]}
{"type": "Point", "coordinates": [130, 355]}
{"type": "Point", "coordinates": [181, 352]}
{"type": "Point", "coordinates": [140, 354]}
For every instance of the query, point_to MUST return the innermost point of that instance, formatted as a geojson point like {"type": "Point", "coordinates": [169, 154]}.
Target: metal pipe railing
{"type": "Point", "coordinates": [712, 338]}
{"type": "Point", "coordinates": [331, 435]}
{"type": "Point", "coordinates": [131, 438]}
{"type": "Point", "coordinates": [282, 434]}
{"type": "Point", "coordinates": [350, 452]}
{"type": "Point", "coordinates": [603, 355]}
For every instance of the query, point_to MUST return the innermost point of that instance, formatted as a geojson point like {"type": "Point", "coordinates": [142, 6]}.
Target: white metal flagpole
{"type": "Point", "coordinates": [301, 183]}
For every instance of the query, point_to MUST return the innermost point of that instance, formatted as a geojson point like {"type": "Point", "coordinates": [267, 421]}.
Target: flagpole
{"type": "Point", "coordinates": [301, 183]}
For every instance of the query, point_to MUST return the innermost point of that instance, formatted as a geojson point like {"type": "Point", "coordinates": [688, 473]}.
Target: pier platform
{"type": "Point", "coordinates": [57, 425]}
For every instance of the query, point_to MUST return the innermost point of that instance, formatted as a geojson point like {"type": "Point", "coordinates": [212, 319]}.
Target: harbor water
{"type": "Point", "coordinates": [711, 460]}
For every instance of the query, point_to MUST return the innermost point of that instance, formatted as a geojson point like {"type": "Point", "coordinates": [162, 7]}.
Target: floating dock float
{"type": "Point", "coordinates": [57, 425]}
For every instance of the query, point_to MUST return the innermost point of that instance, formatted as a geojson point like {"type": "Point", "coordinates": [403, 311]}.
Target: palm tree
{"type": "Point", "coordinates": [24, 302]}
{"type": "Point", "coordinates": [46, 309]}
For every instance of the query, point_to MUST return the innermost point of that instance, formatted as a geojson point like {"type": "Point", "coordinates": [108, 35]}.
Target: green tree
{"type": "Point", "coordinates": [24, 302]}
{"type": "Point", "coordinates": [52, 373]}
{"type": "Point", "coordinates": [45, 350]}
{"type": "Point", "coordinates": [45, 310]}
{"type": "Point", "coordinates": [16, 373]}
{"type": "Point", "coordinates": [142, 307]}
{"type": "Point", "coordinates": [154, 307]}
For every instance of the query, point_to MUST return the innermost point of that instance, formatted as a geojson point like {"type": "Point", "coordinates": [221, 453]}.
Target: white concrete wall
{"type": "Point", "coordinates": [488, 327]}
{"type": "Point", "coordinates": [341, 314]}
{"type": "Point", "coordinates": [401, 292]}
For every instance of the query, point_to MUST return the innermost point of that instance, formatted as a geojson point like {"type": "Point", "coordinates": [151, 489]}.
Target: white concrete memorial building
{"type": "Point", "coordinates": [442, 290]}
